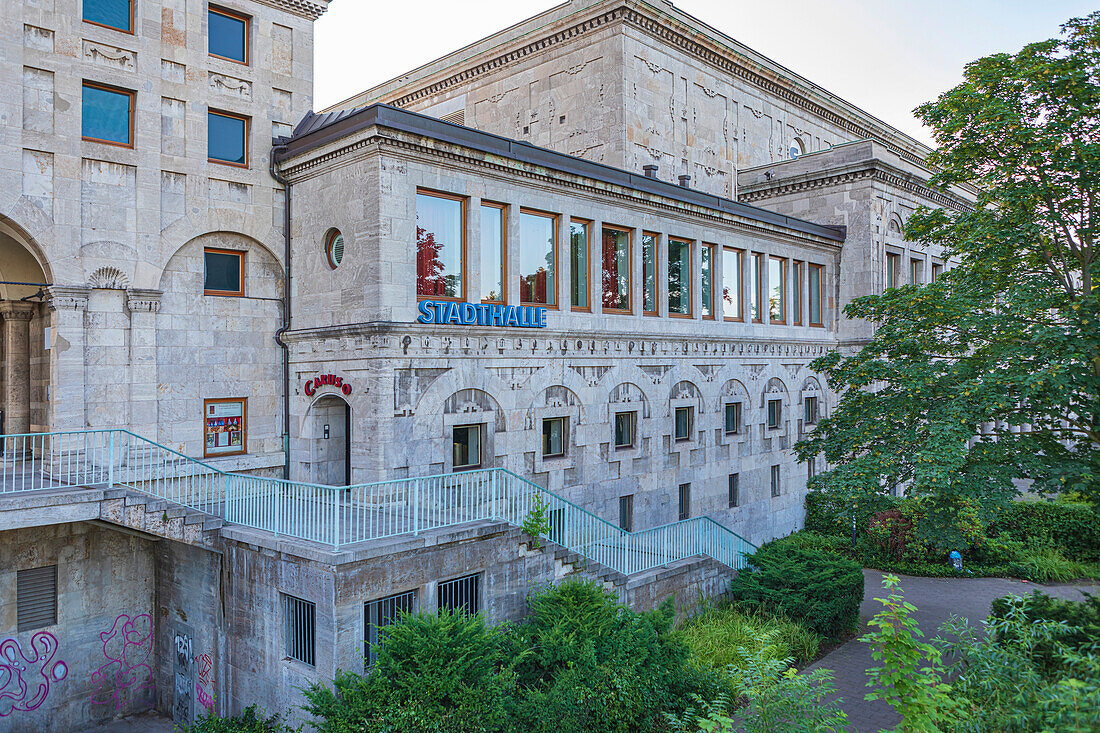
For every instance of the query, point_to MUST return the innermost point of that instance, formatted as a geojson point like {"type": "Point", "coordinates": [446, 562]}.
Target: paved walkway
{"type": "Point", "coordinates": [936, 600]}
{"type": "Point", "coordinates": [144, 723]}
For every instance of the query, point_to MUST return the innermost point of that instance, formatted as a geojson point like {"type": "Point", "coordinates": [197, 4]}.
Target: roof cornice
{"type": "Point", "coordinates": [309, 9]}
{"type": "Point", "coordinates": [773, 79]}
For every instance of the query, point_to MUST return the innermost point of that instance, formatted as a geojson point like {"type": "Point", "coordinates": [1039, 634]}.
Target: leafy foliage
{"type": "Point", "coordinates": [1081, 617]}
{"type": "Point", "coordinates": [440, 672]}
{"type": "Point", "coordinates": [819, 589]}
{"type": "Point", "coordinates": [769, 695]}
{"type": "Point", "coordinates": [909, 674]}
{"type": "Point", "coordinates": [715, 635]}
{"type": "Point", "coordinates": [1023, 673]}
{"type": "Point", "coordinates": [1006, 344]}
{"type": "Point", "coordinates": [537, 521]}
{"type": "Point", "coordinates": [251, 720]}
{"type": "Point", "coordinates": [595, 665]}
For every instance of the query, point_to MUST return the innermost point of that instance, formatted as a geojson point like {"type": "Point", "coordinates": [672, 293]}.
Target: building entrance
{"type": "Point", "coordinates": [330, 442]}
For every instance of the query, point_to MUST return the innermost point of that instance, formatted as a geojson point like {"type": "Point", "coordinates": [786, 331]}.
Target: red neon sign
{"type": "Point", "coordinates": [326, 380]}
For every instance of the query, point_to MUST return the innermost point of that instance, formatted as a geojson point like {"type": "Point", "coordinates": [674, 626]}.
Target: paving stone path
{"type": "Point", "coordinates": [936, 599]}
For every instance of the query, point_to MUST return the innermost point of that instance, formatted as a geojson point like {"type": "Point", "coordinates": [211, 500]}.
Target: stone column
{"type": "Point", "coordinates": [15, 333]}
{"type": "Point", "coordinates": [143, 306]}
{"type": "Point", "coordinates": [66, 366]}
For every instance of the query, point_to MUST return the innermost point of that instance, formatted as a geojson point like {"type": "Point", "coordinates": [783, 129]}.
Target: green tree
{"type": "Point", "coordinates": [1006, 344]}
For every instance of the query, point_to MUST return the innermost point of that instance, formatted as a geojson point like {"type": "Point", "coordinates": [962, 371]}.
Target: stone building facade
{"type": "Point", "coordinates": [671, 221]}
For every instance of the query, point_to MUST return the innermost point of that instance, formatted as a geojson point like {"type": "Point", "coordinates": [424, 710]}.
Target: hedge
{"type": "Point", "coordinates": [815, 587]}
{"type": "Point", "coordinates": [1072, 529]}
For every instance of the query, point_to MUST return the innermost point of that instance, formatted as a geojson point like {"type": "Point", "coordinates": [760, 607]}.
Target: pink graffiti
{"type": "Point", "coordinates": [129, 647]}
{"type": "Point", "coordinates": [20, 688]}
{"type": "Point", "coordinates": [205, 698]}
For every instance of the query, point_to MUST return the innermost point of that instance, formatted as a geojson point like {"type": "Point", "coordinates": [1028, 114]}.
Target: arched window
{"type": "Point", "coordinates": [334, 247]}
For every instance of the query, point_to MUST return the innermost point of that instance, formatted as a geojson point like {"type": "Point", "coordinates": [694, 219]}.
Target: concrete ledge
{"type": "Point", "coordinates": [48, 506]}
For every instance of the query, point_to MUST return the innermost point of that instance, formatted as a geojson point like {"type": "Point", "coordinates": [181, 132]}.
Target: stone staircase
{"type": "Point", "coordinates": [159, 517]}
{"type": "Point", "coordinates": [567, 562]}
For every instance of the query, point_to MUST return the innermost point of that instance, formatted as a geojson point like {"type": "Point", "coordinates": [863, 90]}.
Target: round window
{"type": "Point", "coordinates": [334, 247]}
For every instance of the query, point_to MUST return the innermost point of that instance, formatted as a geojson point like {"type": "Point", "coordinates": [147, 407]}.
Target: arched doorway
{"type": "Point", "coordinates": [329, 423]}
{"type": "Point", "coordinates": [23, 359]}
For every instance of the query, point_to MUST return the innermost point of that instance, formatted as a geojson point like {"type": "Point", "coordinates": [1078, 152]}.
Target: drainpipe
{"type": "Point", "coordinates": [286, 309]}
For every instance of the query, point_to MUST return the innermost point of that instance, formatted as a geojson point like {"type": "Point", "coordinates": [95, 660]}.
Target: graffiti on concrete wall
{"type": "Point", "coordinates": [204, 687]}
{"type": "Point", "coordinates": [184, 676]}
{"type": "Point", "coordinates": [25, 676]}
{"type": "Point", "coordinates": [127, 676]}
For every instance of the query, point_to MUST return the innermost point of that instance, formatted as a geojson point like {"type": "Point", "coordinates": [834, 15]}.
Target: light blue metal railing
{"type": "Point", "coordinates": [346, 515]}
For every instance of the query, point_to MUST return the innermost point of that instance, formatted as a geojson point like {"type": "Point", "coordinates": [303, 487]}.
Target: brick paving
{"type": "Point", "coordinates": [936, 600]}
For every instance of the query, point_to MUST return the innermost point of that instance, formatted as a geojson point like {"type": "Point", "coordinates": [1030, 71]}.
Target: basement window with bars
{"type": "Point", "coordinates": [377, 615]}
{"type": "Point", "coordinates": [461, 595]}
{"type": "Point", "coordinates": [36, 598]}
{"type": "Point", "coordinates": [299, 629]}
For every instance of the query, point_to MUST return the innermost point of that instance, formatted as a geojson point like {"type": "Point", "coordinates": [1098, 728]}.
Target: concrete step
{"type": "Point", "coordinates": [133, 499]}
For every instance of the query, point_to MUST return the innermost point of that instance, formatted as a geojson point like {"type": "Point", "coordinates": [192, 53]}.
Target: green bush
{"type": "Point", "coordinates": [590, 665]}
{"type": "Point", "coordinates": [1072, 529]}
{"type": "Point", "coordinates": [1082, 619]}
{"type": "Point", "coordinates": [1047, 565]}
{"type": "Point", "coordinates": [715, 635]}
{"type": "Point", "coordinates": [819, 589]}
{"type": "Point", "coordinates": [810, 540]}
{"type": "Point", "coordinates": [440, 672]}
{"type": "Point", "coordinates": [252, 720]}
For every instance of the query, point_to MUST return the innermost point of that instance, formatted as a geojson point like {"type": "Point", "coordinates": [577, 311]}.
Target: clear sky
{"type": "Point", "coordinates": [885, 56]}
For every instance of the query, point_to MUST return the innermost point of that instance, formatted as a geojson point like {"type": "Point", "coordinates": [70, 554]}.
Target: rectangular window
{"type": "Point", "coordinates": [733, 289]}
{"type": "Point", "coordinates": [553, 437]}
{"type": "Point", "coordinates": [810, 418]}
{"type": "Point", "coordinates": [937, 270]}
{"type": "Point", "coordinates": [626, 512]}
{"type": "Point", "coordinates": [624, 429]}
{"type": "Point", "coordinates": [36, 598]}
{"type": "Point", "coordinates": [107, 114]}
{"type": "Point", "coordinates": [685, 501]}
{"type": "Point", "coordinates": [733, 418]}
{"type": "Point", "coordinates": [117, 14]}
{"type": "Point", "coordinates": [735, 490]}
{"type": "Point", "coordinates": [461, 595]}
{"type": "Point", "coordinates": [777, 290]}
{"type": "Point", "coordinates": [299, 629]}
{"type": "Point", "coordinates": [466, 446]}
{"type": "Point", "coordinates": [916, 271]}
{"type": "Point", "coordinates": [228, 35]}
{"type": "Point", "coordinates": [775, 413]}
{"type": "Point", "coordinates": [683, 423]}
{"type": "Point", "coordinates": [494, 225]}
{"type": "Point", "coordinates": [222, 272]}
{"type": "Point", "coordinates": [811, 469]}
{"type": "Point", "coordinates": [227, 138]}
{"type": "Point", "coordinates": [440, 246]}
{"type": "Point", "coordinates": [679, 278]}
{"type": "Point", "coordinates": [706, 280]}
{"type": "Point", "coordinates": [377, 615]}
{"type": "Point", "coordinates": [615, 254]}
{"type": "Point", "coordinates": [756, 298]}
{"type": "Point", "coordinates": [775, 481]}
{"type": "Point", "coordinates": [796, 286]}
{"type": "Point", "coordinates": [893, 262]}
{"type": "Point", "coordinates": [578, 264]}
{"type": "Point", "coordinates": [649, 273]}
{"type": "Point", "coordinates": [225, 424]}
{"type": "Point", "coordinates": [538, 254]}
{"type": "Point", "coordinates": [815, 278]}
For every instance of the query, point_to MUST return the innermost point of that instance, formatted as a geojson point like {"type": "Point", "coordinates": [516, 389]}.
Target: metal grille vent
{"type": "Point", "coordinates": [299, 619]}
{"type": "Point", "coordinates": [458, 117]}
{"type": "Point", "coordinates": [334, 248]}
{"type": "Point", "coordinates": [36, 597]}
{"type": "Point", "coordinates": [460, 595]}
{"type": "Point", "coordinates": [382, 613]}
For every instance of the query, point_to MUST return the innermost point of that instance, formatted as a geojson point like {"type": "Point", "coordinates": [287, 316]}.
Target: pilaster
{"type": "Point", "coordinates": [15, 319]}
{"type": "Point", "coordinates": [143, 306]}
{"type": "Point", "coordinates": [66, 367]}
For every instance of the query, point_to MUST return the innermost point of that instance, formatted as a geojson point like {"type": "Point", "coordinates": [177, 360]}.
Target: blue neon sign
{"type": "Point", "coordinates": [445, 312]}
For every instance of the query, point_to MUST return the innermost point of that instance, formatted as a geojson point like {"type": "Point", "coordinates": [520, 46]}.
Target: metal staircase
{"type": "Point", "coordinates": [161, 479]}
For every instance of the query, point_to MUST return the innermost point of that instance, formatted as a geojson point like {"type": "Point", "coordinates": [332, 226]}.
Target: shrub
{"type": "Point", "coordinates": [826, 514]}
{"type": "Point", "coordinates": [715, 635]}
{"type": "Point", "coordinates": [440, 672]}
{"type": "Point", "coordinates": [819, 589]}
{"type": "Point", "coordinates": [252, 720]}
{"type": "Point", "coordinates": [810, 540]}
{"type": "Point", "coordinates": [1072, 529]}
{"type": "Point", "coordinates": [769, 696]}
{"type": "Point", "coordinates": [1047, 565]}
{"type": "Point", "coordinates": [1082, 618]}
{"type": "Point", "coordinates": [595, 666]}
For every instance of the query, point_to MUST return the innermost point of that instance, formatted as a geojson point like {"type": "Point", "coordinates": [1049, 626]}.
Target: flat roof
{"type": "Point", "coordinates": [316, 130]}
